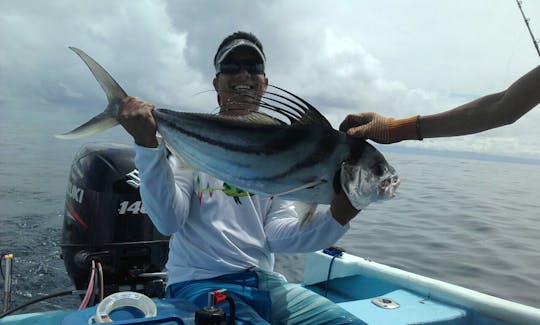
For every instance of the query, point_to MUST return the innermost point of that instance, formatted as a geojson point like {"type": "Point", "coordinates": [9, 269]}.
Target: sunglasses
{"type": "Point", "coordinates": [251, 67]}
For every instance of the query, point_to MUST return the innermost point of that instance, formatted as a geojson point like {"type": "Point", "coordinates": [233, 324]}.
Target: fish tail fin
{"type": "Point", "coordinates": [96, 124]}
{"type": "Point", "coordinates": [115, 94]}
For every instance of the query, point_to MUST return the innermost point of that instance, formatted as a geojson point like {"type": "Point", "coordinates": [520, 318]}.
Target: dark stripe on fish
{"type": "Point", "coordinates": [325, 147]}
{"type": "Point", "coordinates": [286, 140]}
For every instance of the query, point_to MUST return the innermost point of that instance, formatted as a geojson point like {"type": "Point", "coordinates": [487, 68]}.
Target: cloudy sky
{"type": "Point", "coordinates": [398, 58]}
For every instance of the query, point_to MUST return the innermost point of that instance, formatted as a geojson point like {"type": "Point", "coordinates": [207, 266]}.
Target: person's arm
{"type": "Point", "coordinates": [284, 232]}
{"type": "Point", "coordinates": [482, 114]}
{"type": "Point", "coordinates": [341, 209]}
{"type": "Point", "coordinates": [165, 189]}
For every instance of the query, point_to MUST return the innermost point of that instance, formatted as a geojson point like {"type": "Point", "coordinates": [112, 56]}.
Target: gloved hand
{"type": "Point", "coordinates": [381, 129]}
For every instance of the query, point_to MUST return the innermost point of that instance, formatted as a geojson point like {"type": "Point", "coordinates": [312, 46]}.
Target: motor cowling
{"type": "Point", "coordinates": [105, 221]}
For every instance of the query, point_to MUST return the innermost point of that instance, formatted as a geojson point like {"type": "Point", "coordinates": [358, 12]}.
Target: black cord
{"type": "Point", "coordinates": [232, 310]}
{"type": "Point", "coordinates": [31, 302]}
{"type": "Point", "coordinates": [328, 278]}
{"type": "Point", "coordinates": [333, 251]}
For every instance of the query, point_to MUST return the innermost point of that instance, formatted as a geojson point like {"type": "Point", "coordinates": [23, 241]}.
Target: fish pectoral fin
{"type": "Point", "coordinates": [302, 187]}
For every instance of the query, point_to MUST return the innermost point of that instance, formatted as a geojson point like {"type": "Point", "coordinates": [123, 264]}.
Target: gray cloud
{"type": "Point", "coordinates": [397, 58]}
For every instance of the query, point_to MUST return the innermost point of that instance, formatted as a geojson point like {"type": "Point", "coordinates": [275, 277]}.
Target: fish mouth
{"type": "Point", "coordinates": [362, 186]}
{"type": "Point", "coordinates": [388, 186]}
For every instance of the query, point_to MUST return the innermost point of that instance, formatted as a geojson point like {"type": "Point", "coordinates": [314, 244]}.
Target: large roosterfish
{"type": "Point", "coordinates": [297, 155]}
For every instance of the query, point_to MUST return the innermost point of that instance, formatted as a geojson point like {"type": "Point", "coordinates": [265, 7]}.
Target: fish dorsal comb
{"type": "Point", "coordinates": [289, 108]}
{"type": "Point", "coordinates": [305, 112]}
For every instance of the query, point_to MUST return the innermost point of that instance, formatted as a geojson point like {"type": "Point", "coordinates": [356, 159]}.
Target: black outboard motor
{"type": "Point", "coordinates": [105, 221]}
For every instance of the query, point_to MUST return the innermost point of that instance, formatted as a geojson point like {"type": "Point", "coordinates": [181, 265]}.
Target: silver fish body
{"type": "Point", "coordinates": [306, 160]}
{"type": "Point", "coordinates": [259, 158]}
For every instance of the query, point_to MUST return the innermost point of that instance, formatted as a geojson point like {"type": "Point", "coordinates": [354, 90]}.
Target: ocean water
{"type": "Point", "coordinates": [470, 222]}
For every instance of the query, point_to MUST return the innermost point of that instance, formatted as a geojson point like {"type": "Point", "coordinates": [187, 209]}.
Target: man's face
{"type": "Point", "coordinates": [240, 90]}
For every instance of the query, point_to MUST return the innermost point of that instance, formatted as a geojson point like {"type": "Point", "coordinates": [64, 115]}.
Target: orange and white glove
{"type": "Point", "coordinates": [381, 129]}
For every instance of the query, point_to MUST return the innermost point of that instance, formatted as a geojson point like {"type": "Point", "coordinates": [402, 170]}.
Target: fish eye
{"type": "Point", "coordinates": [378, 169]}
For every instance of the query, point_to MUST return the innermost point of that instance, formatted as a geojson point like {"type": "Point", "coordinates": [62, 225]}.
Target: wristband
{"type": "Point", "coordinates": [405, 129]}
{"type": "Point", "coordinates": [418, 133]}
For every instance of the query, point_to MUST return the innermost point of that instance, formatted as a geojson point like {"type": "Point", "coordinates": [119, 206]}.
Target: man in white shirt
{"type": "Point", "coordinates": [220, 241]}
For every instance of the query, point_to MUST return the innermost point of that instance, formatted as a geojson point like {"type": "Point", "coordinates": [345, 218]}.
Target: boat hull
{"type": "Point", "coordinates": [373, 292]}
{"type": "Point", "coordinates": [355, 282]}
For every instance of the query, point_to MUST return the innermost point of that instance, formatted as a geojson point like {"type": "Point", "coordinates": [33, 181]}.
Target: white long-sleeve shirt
{"type": "Point", "coordinates": [215, 234]}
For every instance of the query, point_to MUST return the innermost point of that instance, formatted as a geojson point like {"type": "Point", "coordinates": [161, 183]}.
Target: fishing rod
{"type": "Point", "coordinates": [95, 287]}
{"type": "Point", "coordinates": [535, 41]}
{"type": "Point", "coordinates": [7, 279]}
{"type": "Point", "coordinates": [7, 275]}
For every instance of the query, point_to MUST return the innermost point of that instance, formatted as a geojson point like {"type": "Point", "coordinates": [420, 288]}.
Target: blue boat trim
{"type": "Point", "coordinates": [355, 281]}
{"type": "Point", "coordinates": [353, 284]}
